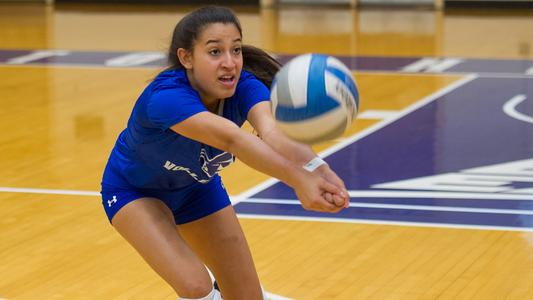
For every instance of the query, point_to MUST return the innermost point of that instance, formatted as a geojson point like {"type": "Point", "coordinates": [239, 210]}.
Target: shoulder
{"type": "Point", "coordinates": [249, 92]}
{"type": "Point", "coordinates": [172, 99]}
{"type": "Point", "coordinates": [170, 79]}
{"type": "Point", "coordinates": [174, 84]}
{"type": "Point", "coordinates": [248, 82]}
{"type": "Point", "coordinates": [247, 77]}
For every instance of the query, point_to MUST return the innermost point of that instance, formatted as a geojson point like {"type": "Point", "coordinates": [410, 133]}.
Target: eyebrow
{"type": "Point", "coordinates": [218, 41]}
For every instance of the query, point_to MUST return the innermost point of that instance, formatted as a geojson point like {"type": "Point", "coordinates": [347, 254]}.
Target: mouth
{"type": "Point", "coordinates": [227, 80]}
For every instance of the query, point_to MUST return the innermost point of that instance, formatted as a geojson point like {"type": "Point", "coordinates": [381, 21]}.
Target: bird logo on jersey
{"type": "Point", "coordinates": [211, 166]}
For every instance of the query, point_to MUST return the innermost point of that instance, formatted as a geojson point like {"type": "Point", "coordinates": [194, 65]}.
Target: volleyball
{"type": "Point", "coordinates": [314, 98]}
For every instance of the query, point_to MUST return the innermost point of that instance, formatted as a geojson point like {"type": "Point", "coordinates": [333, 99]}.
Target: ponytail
{"type": "Point", "coordinates": [260, 63]}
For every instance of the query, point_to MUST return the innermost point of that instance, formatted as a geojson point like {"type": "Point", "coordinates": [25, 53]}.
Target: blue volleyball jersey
{"type": "Point", "coordinates": [148, 154]}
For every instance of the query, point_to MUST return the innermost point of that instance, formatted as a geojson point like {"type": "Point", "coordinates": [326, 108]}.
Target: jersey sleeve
{"type": "Point", "coordinates": [167, 108]}
{"type": "Point", "coordinates": [250, 92]}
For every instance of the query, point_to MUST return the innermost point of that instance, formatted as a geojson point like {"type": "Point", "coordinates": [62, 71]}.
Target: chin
{"type": "Point", "coordinates": [227, 93]}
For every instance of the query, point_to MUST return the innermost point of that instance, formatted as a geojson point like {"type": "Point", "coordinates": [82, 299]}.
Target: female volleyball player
{"type": "Point", "coordinates": [160, 187]}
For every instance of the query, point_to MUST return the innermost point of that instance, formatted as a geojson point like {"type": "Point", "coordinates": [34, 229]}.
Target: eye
{"type": "Point", "coordinates": [214, 52]}
{"type": "Point", "coordinates": [237, 50]}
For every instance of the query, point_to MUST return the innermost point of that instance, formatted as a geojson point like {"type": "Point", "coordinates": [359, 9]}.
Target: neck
{"type": "Point", "coordinates": [212, 106]}
{"type": "Point", "coordinates": [210, 103]}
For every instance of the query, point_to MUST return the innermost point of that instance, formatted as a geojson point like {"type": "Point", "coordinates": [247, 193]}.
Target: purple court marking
{"type": "Point", "coordinates": [367, 62]}
{"type": "Point", "coordinates": [78, 58]}
{"type": "Point", "coordinates": [490, 66]}
{"type": "Point", "coordinates": [5, 55]}
{"type": "Point", "coordinates": [359, 63]}
{"type": "Point", "coordinates": [461, 130]}
{"type": "Point", "coordinates": [82, 58]}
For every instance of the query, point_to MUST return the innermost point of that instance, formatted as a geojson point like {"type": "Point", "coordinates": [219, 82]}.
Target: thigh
{"type": "Point", "coordinates": [220, 242]}
{"type": "Point", "coordinates": [148, 225]}
{"type": "Point", "coordinates": [198, 201]}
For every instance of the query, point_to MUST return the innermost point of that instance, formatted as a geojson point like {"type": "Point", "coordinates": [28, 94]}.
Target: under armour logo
{"type": "Point", "coordinates": [110, 202]}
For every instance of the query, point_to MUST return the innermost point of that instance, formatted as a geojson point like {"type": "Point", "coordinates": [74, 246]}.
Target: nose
{"type": "Point", "coordinates": [228, 61]}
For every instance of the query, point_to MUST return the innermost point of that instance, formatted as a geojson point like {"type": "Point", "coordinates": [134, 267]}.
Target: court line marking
{"type": "Point", "coordinates": [353, 194]}
{"type": "Point", "coordinates": [404, 207]}
{"type": "Point", "coordinates": [510, 109]}
{"type": "Point", "coordinates": [432, 64]}
{"type": "Point", "coordinates": [36, 55]}
{"type": "Point", "coordinates": [382, 222]}
{"type": "Point", "coordinates": [48, 191]}
{"type": "Point", "coordinates": [438, 195]}
{"type": "Point", "coordinates": [454, 73]}
{"type": "Point", "coordinates": [86, 66]}
{"type": "Point", "coordinates": [377, 114]}
{"type": "Point", "coordinates": [135, 59]}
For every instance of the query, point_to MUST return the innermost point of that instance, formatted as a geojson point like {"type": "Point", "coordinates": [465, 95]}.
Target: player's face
{"type": "Point", "coordinates": [216, 61]}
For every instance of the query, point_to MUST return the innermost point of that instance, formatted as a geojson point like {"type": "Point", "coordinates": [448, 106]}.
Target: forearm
{"type": "Point", "coordinates": [296, 152]}
{"type": "Point", "coordinates": [259, 155]}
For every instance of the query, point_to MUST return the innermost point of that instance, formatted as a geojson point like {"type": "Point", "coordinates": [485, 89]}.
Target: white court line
{"type": "Point", "coordinates": [430, 64]}
{"type": "Point", "coordinates": [48, 191]}
{"type": "Point", "coordinates": [134, 59]}
{"type": "Point", "coordinates": [444, 65]}
{"type": "Point", "coordinates": [437, 195]}
{"type": "Point", "coordinates": [381, 222]}
{"type": "Point", "coordinates": [405, 207]}
{"type": "Point", "coordinates": [36, 55]}
{"type": "Point", "coordinates": [377, 114]}
{"type": "Point", "coordinates": [510, 109]}
{"type": "Point", "coordinates": [420, 65]}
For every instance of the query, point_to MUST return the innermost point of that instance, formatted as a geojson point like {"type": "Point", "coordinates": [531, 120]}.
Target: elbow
{"type": "Point", "coordinates": [232, 146]}
{"type": "Point", "coordinates": [232, 141]}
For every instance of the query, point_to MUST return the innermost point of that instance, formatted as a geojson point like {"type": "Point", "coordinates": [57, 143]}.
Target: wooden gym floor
{"type": "Point", "coordinates": [429, 81]}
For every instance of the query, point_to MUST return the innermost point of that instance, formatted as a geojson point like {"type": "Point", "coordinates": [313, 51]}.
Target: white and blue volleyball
{"type": "Point", "coordinates": [314, 98]}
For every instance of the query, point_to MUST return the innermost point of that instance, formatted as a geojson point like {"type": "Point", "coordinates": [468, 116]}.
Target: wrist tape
{"type": "Point", "coordinates": [313, 164]}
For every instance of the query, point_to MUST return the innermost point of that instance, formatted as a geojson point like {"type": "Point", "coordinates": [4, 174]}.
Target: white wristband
{"type": "Point", "coordinates": [314, 163]}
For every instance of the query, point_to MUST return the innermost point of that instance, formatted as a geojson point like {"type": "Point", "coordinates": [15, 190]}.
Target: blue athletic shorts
{"type": "Point", "coordinates": [187, 204]}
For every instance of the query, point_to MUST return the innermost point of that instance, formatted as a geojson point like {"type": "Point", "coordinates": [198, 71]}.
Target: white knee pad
{"type": "Point", "coordinates": [213, 295]}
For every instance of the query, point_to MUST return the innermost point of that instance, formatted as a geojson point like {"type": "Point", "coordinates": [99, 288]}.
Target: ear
{"type": "Point", "coordinates": [185, 58]}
